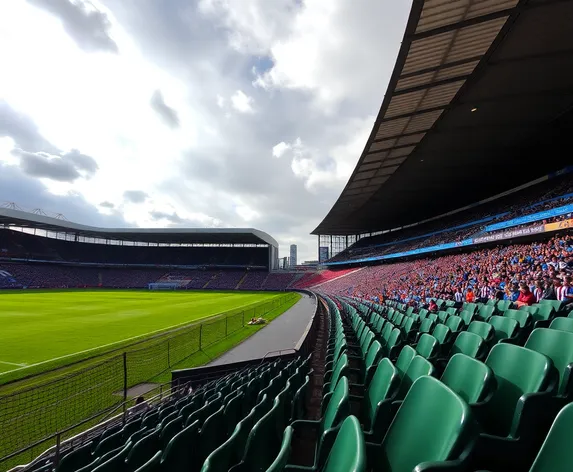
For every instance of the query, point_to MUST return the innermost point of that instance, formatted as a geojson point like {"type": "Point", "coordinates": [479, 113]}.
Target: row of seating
{"type": "Point", "coordinates": [210, 426]}
{"type": "Point", "coordinates": [490, 415]}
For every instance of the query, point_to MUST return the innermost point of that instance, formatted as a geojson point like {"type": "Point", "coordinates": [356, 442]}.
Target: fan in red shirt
{"type": "Point", "coordinates": [526, 296]}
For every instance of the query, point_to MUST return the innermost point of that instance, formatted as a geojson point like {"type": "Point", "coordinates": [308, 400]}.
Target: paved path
{"type": "Point", "coordinates": [283, 332]}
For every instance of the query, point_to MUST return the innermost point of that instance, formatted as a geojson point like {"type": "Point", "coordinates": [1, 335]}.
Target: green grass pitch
{"type": "Point", "coordinates": [71, 343]}
{"type": "Point", "coordinates": [48, 327]}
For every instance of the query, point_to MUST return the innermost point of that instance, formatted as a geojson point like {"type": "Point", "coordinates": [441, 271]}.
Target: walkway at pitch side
{"type": "Point", "coordinates": [283, 332]}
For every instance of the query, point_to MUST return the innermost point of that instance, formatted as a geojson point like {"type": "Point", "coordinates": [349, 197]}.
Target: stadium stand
{"type": "Point", "coordinates": [441, 363]}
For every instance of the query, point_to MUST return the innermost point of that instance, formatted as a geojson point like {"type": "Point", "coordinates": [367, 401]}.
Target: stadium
{"type": "Point", "coordinates": [436, 332]}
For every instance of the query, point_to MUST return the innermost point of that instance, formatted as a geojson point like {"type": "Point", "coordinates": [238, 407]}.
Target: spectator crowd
{"type": "Point", "coordinates": [543, 268]}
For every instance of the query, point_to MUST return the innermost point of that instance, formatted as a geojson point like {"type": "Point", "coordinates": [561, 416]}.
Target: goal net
{"type": "Point", "coordinates": [164, 286]}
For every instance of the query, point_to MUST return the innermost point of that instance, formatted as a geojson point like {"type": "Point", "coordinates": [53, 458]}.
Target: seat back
{"type": "Point", "coordinates": [555, 455]}
{"type": "Point", "coordinates": [454, 323]}
{"type": "Point", "coordinates": [443, 316]}
{"type": "Point", "coordinates": [504, 327]}
{"type": "Point", "coordinates": [426, 325]}
{"type": "Point", "coordinates": [563, 324]}
{"type": "Point", "coordinates": [522, 317]}
{"type": "Point", "coordinates": [433, 424]}
{"type": "Point", "coordinates": [170, 430]}
{"type": "Point", "coordinates": [418, 368]}
{"type": "Point", "coordinates": [383, 386]}
{"type": "Point", "coordinates": [558, 346]}
{"type": "Point", "coordinates": [338, 407]}
{"type": "Point", "coordinates": [441, 333]}
{"type": "Point", "coordinates": [503, 305]}
{"type": "Point", "coordinates": [403, 362]}
{"type": "Point", "coordinates": [485, 311]}
{"type": "Point", "coordinates": [481, 328]}
{"type": "Point", "coordinates": [152, 465]}
{"type": "Point", "coordinates": [143, 450]}
{"type": "Point", "coordinates": [340, 367]}
{"type": "Point", "coordinates": [282, 458]}
{"type": "Point", "coordinates": [427, 346]}
{"type": "Point", "coordinates": [348, 453]}
{"type": "Point", "coordinates": [373, 354]}
{"type": "Point", "coordinates": [469, 378]}
{"type": "Point", "coordinates": [178, 454]}
{"type": "Point", "coordinates": [517, 371]}
{"type": "Point", "coordinates": [467, 317]}
{"type": "Point", "coordinates": [467, 343]}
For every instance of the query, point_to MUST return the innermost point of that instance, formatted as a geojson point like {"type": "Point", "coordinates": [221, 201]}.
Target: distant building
{"type": "Point", "coordinates": [292, 258]}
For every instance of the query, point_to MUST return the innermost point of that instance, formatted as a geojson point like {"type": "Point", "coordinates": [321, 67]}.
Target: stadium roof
{"type": "Point", "coordinates": [151, 235]}
{"type": "Point", "coordinates": [479, 87]}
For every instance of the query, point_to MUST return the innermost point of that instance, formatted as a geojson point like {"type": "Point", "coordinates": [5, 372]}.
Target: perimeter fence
{"type": "Point", "coordinates": [32, 417]}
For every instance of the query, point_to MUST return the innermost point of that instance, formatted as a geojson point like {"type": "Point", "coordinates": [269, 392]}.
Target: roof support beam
{"type": "Point", "coordinates": [437, 83]}
{"type": "Point", "coordinates": [463, 24]}
{"type": "Point", "coordinates": [441, 67]}
{"type": "Point", "coordinates": [398, 136]}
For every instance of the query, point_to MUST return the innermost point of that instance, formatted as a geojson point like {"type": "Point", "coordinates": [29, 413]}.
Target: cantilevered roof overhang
{"type": "Point", "coordinates": [480, 87]}
{"type": "Point", "coordinates": [19, 218]}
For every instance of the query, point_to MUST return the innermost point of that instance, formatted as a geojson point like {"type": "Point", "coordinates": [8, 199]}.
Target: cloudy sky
{"type": "Point", "coordinates": [217, 113]}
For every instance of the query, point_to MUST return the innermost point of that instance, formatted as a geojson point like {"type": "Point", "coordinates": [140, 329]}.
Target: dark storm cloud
{"type": "Point", "coordinates": [135, 196]}
{"type": "Point", "coordinates": [167, 114]}
{"type": "Point", "coordinates": [87, 26]}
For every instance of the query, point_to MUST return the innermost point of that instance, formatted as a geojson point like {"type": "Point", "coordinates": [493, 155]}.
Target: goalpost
{"type": "Point", "coordinates": [164, 285]}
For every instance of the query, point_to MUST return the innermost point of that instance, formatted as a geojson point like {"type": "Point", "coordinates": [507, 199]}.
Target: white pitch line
{"type": "Point", "coordinates": [133, 338]}
{"type": "Point", "coordinates": [12, 363]}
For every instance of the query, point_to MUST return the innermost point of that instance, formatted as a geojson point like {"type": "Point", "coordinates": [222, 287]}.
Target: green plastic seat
{"type": "Point", "coordinates": [485, 312]}
{"type": "Point", "coordinates": [427, 346]}
{"type": "Point", "coordinates": [433, 425]}
{"type": "Point", "coordinates": [503, 305]}
{"type": "Point", "coordinates": [483, 329]}
{"type": "Point", "coordinates": [115, 463]}
{"type": "Point", "coordinates": [298, 409]}
{"type": "Point", "coordinates": [531, 309]}
{"type": "Point", "coordinates": [522, 317]}
{"type": "Point", "coordinates": [281, 460]}
{"type": "Point", "coordinates": [170, 430]}
{"type": "Point", "coordinates": [143, 450]}
{"type": "Point", "coordinates": [393, 343]}
{"type": "Point", "coordinates": [555, 453]}
{"type": "Point", "coordinates": [518, 371]}
{"type": "Point", "coordinates": [443, 316]}
{"type": "Point", "coordinates": [467, 343]}
{"type": "Point", "coordinates": [178, 455]}
{"type": "Point", "coordinates": [563, 324]}
{"type": "Point", "coordinates": [152, 465]}
{"type": "Point", "coordinates": [403, 361]}
{"type": "Point", "coordinates": [455, 324]}
{"type": "Point", "coordinates": [504, 328]}
{"type": "Point", "coordinates": [348, 452]}
{"type": "Point", "coordinates": [555, 304]}
{"type": "Point", "coordinates": [331, 378]}
{"type": "Point", "coordinates": [372, 356]}
{"type": "Point", "coordinates": [441, 333]}
{"type": "Point", "coordinates": [264, 441]}
{"type": "Point", "coordinates": [558, 346]}
{"type": "Point", "coordinates": [544, 314]}
{"type": "Point", "coordinates": [417, 368]}
{"type": "Point", "coordinates": [376, 406]}
{"type": "Point", "coordinates": [233, 413]}
{"type": "Point", "coordinates": [467, 317]}
{"type": "Point", "coordinates": [471, 379]}
{"type": "Point", "coordinates": [337, 409]}
{"type": "Point", "coordinates": [109, 443]}
{"type": "Point", "coordinates": [76, 459]}
{"type": "Point", "coordinates": [469, 307]}
{"type": "Point", "coordinates": [426, 326]}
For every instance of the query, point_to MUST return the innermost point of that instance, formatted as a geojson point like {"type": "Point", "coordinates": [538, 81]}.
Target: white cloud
{"type": "Point", "coordinates": [280, 149]}
{"type": "Point", "coordinates": [156, 93]}
{"type": "Point", "coordinates": [242, 102]}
